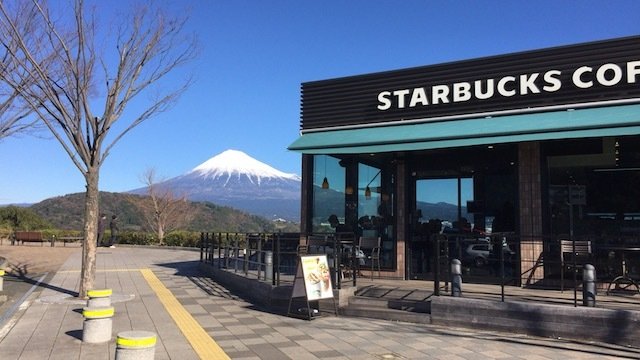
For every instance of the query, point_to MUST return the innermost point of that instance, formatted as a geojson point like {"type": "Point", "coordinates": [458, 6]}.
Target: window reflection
{"type": "Point", "coordinates": [375, 209]}
{"type": "Point", "coordinates": [328, 200]}
{"type": "Point", "coordinates": [369, 199]}
{"type": "Point", "coordinates": [356, 198]}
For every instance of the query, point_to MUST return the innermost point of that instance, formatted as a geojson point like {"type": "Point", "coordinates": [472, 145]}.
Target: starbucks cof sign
{"type": "Point", "coordinates": [583, 75]}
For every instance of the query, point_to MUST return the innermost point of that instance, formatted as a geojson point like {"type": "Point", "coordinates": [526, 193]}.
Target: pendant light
{"type": "Point", "coordinates": [325, 181]}
{"type": "Point", "coordinates": [367, 190]}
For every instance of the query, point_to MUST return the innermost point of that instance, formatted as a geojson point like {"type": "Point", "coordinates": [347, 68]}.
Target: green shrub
{"type": "Point", "coordinates": [135, 238]}
{"type": "Point", "coordinates": [182, 238]}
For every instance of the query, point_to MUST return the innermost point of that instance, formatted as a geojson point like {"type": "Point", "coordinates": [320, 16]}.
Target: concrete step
{"type": "Point", "coordinates": [385, 314]}
{"type": "Point", "coordinates": [392, 304]}
{"type": "Point", "coordinates": [388, 309]}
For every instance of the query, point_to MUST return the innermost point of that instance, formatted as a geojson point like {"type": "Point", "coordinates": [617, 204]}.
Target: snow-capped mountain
{"type": "Point", "coordinates": [234, 163]}
{"type": "Point", "coordinates": [233, 178]}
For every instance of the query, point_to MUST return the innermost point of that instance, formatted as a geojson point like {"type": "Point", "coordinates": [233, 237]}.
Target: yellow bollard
{"type": "Point", "coordinates": [1, 279]}
{"type": "Point", "coordinates": [135, 345]}
{"type": "Point", "coordinates": [99, 298]}
{"type": "Point", "coordinates": [97, 324]}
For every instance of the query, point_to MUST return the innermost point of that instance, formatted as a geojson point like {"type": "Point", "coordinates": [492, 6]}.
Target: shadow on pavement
{"type": "Point", "coordinates": [191, 271]}
{"type": "Point", "coordinates": [75, 333]}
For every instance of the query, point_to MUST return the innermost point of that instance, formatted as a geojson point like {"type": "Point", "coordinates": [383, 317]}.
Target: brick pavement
{"type": "Point", "coordinates": [49, 325]}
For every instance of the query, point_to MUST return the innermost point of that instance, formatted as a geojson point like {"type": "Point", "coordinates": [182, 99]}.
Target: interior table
{"type": "Point", "coordinates": [624, 281]}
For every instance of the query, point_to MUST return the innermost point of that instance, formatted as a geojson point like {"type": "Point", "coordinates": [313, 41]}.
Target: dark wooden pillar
{"type": "Point", "coordinates": [530, 206]}
{"type": "Point", "coordinates": [401, 218]}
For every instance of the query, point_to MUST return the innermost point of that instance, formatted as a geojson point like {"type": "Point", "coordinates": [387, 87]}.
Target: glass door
{"type": "Point", "coordinates": [439, 207]}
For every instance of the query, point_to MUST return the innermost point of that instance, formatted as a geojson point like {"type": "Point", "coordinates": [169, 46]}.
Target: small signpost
{"type": "Point", "coordinates": [311, 284]}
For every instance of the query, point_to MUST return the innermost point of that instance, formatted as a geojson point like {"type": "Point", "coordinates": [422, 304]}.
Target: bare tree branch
{"type": "Point", "coordinates": [162, 210]}
{"type": "Point", "coordinates": [14, 114]}
{"type": "Point", "coordinates": [51, 73]}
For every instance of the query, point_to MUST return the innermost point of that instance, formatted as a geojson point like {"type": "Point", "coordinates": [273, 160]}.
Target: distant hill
{"type": "Point", "coordinates": [441, 210]}
{"type": "Point", "coordinates": [67, 212]}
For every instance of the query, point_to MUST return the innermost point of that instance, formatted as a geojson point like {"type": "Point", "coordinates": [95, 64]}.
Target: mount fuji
{"type": "Point", "coordinates": [233, 178]}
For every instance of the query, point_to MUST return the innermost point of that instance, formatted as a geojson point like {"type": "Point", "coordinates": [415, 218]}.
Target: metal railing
{"type": "Point", "coordinates": [268, 257]}
{"type": "Point", "coordinates": [509, 263]}
{"type": "Point", "coordinates": [541, 262]}
{"type": "Point", "coordinates": [272, 257]}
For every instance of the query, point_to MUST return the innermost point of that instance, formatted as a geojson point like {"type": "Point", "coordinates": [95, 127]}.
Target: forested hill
{"type": "Point", "coordinates": [66, 212]}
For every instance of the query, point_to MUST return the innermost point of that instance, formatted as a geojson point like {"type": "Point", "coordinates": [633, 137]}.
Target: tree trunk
{"type": "Point", "coordinates": [159, 222]}
{"type": "Point", "coordinates": [161, 235]}
{"type": "Point", "coordinates": [91, 209]}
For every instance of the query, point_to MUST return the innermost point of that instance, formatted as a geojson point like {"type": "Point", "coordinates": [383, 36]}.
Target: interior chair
{"type": "Point", "coordinates": [302, 250]}
{"type": "Point", "coordinates": [346, 246]}
{"type": "Point", "coordinates": [317, 244]}
{"type": "Point", "coordinates": [574, 255]}
{"type": "Point", "coordinates": [371, 248]}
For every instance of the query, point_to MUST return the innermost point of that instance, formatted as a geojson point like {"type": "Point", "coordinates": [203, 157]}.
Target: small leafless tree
{"type": "Point", "coordinates": [162, 210]}
{"type": "Point", "coordinates": [85, 90]}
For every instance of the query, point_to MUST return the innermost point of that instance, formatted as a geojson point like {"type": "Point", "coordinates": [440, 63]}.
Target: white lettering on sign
{"type": "Point", "coordinates": [440, 94]}
{"type": "Point", "coordinates": [583, 77]}
{"type": "Point", "coordinates": [419, 96]}
{"type": "Point", "coordinates": [488, 89]}
{"type": "Point", "coordinates": [633, 70]}
{"type": "Point", "coordinates": [528, 83]}
{"type": "Point", "coordinates": [605, 79]}
{"type": "Point", "coordinates": [502, 86]}
{"type": "Point", "coordinates": [552, 81]}
{"type": "Point", "coordinates": [577, 77]}
{"type": "Point", "coordinates": [461, 92]}
{"type": "Point", "coordinates": [400, 96]}
{"type": "Point", "coordinates": [384, 101]}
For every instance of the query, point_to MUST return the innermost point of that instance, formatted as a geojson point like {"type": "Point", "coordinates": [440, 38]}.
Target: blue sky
{"type": "Point", "coordinates": [255, 54]}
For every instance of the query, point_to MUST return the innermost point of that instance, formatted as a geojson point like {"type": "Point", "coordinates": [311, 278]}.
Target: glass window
{"type": "Point", "coordinates": [328, 193]}
{"type": "Point", "coordinates": [599, 178]}
{"type": "Point", "coordinates": [351, 196]}
{"type": "Point", "coordinates": [369, 199]}
{"type": "Point", "coordinates": [375, 209]}
{"type": "Point", "coordinates": [438, 199]}
{"type": "Point", "coordinates": [592, 193]}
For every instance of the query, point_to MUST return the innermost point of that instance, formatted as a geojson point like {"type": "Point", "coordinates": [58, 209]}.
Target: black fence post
{"type": "Point", "coordinates": [276, 261]}
{"type": "Point", "coordinates": [503, 240]}
{"type": "Point", "coordinates": [436, 272]}
{"type": "Point", "coordinates": [212, 253]}
{"type": "Point", "coordinates": [355, 262]}
{"type": "Point", "coordinates": [220, 258]}
{"type": "Point", "coordinates": [201, 246]}
{"type": "Point", "coordinates": [245, 250]}
{"type": "Point", "coordinates": [337, 257]}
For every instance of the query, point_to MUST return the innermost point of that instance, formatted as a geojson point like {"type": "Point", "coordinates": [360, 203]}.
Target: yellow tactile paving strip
{"type": "Point", "coordinates": [201, 342]}
{"type": "Point", "coordinates": [98, 270]}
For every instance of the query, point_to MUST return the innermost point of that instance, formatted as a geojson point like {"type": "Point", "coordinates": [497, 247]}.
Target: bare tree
{"type": "Point", "coordinates": [66, 96]}
{"type": "Point", "coordinates": [14, 114]}
{"type": "Point", "coordinates": [162, 209]}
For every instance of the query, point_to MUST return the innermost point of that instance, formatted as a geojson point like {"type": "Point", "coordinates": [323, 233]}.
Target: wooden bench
{"type": "Point", "coordinates": [29, 236]}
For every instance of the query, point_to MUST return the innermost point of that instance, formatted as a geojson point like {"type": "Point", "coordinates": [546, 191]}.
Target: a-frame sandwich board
{"type": "Point", "coordinates": [311, 283]}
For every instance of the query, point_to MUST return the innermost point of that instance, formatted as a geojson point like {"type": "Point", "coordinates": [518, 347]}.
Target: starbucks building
{"type": "Point", "coordinates": [539, 145]}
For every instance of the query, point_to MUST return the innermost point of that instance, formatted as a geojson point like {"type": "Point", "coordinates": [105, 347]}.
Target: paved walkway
{"type": "Point", "coordinates": [162, 291]}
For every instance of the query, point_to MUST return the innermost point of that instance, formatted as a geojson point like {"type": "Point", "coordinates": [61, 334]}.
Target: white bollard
{"type": "Point", "coordinates": [99, 298]}
{"type": "Point", "coordinates": [97, 324]}
{"type": "Point", "coordinates": [1, 279]}
{"type": "Point", "coordinates": [135, 345]}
